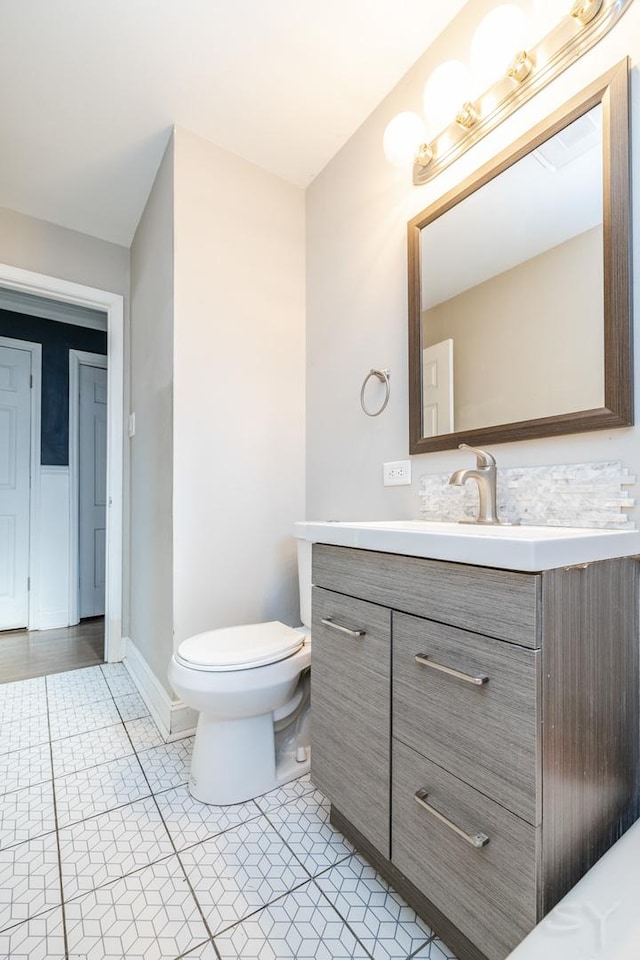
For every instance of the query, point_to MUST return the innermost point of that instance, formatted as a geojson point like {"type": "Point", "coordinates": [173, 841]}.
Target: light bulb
{"type": "Point", "coordinates": [402, 138]}
{"type": "Point", "coordinates": [498, 37]}
{"type": "Point", "coordinates": [447, 88]}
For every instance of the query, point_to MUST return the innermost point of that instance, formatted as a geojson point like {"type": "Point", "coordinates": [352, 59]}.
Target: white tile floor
{"type": "Point", "coordinates": [104, 854]}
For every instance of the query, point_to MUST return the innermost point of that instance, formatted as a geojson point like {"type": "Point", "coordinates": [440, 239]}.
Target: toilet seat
{"type": "Point", "coordinates": [240, 648]}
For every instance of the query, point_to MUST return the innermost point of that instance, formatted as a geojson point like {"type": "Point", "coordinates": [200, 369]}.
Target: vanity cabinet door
{"type": "Point", "coordinates": [350, 703]}
{"type": "Point", "coordinates": [488, 890]}
{"type": "Point", "coordinates": [471, 704]}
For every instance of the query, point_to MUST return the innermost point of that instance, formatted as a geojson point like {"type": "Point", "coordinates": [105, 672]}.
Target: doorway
{"type": "Point", "coordinates": [88, 395]}
{"type": "Point", "coordinates": [64, 558]}
{"type": "Point", "coordinates": [51, 333]}
{"type": "Point", "coordinates": [109, 570]}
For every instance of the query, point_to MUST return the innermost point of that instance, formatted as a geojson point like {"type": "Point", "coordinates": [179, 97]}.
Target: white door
{"type": "Point", "coordinates": [93, 485]}
{"type": "Point", "coordinates": [15, 484]}
{"type": "Point", "coordinates": [437, 389]}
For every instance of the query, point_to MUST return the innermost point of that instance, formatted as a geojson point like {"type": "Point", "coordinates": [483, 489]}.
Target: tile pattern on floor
{"type": "Point", "coordinates": [23, 733]}
{"type": "Point", "coordinates": [237, 872]}
{"type": "Point", "coordinates": [104, 854]}
{"type": "Point", "coordinates": [381, 920]}
{"type": "Point", "coordinates": [26, 813]}
{"type": "Point", "coordinates": [69, 720]}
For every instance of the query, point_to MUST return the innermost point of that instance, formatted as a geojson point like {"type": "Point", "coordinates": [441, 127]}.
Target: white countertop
{"type": "Point", "coordinates": [510, 548]}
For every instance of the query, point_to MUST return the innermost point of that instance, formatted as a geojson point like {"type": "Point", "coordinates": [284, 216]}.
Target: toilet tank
{"type": "Point", "coordinates": [304, 580]}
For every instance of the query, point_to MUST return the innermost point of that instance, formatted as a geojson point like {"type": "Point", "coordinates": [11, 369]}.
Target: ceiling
{"type": "Point", "coordinates": [531, 207]}
{"type": "Point", "coordinates": [89, 91]}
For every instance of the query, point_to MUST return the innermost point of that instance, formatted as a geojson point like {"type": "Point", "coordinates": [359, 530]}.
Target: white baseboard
{"type": "Point", "coordinates": [174, 718]}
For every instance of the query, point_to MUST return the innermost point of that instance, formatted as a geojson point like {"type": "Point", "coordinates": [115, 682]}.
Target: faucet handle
{"type": "Point", "coordinates": [483, 459]}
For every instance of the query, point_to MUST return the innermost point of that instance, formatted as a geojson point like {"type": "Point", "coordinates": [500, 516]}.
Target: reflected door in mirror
{"type": "Point", "coordinates": [437, 387]}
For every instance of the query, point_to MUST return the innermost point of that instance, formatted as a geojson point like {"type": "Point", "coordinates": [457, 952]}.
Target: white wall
{"type": "Point", "coordinates": [238, 389]}
{"type": "Point", "coordinates": [150, 587]}
{"type": "Point", "coordinates": [357, 210]}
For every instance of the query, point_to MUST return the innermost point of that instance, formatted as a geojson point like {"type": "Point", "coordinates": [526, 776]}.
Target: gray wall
{"type": "Point", "coordinates": [151, 622]}
{"type": "Point", "coordinates": [57, 252]}
{"type": "Point", "coordinates": [357, 213]}
{"type": "Point", "coordinates": [217, 373]}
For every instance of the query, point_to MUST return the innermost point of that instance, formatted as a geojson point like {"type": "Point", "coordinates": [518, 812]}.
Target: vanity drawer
{"type": "Point", "coordinates": [489, 891]}
{"type": "Point", "coordinates": [351, 711]}
{"type": "Point", "coordinates": [499, 603]}
{"type": "Point", "coordinates": [488, 733]}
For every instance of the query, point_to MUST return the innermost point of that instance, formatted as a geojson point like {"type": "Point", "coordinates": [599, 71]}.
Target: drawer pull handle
{"type": "Point", "coordinates": [478, 681]}
{"type": "Point", "coordinates": [476, 840]}
{"type": "Point", "coordinates": [336, 626]}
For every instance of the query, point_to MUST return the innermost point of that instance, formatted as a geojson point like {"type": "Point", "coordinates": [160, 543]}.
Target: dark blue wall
{"type": "Point", "coordinates": [56, 339]}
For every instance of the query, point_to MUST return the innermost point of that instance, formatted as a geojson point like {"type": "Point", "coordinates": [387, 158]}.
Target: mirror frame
{"type": "Point", "coordinates": [612, 91]}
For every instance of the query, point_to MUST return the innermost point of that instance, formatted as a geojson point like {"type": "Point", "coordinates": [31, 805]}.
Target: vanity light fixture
{"type": "Point", "coordinates": [530, 69]}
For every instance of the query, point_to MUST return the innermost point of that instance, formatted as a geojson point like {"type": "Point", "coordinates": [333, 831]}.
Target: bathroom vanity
{"type": "Point", "coordinates": [476, 727]}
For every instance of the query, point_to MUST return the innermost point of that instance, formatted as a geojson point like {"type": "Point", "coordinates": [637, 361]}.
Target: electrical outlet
{"type": "Point", "coordinates": [397, 473]}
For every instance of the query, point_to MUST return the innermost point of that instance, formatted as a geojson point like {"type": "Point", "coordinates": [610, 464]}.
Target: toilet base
{"type": "Point", "coordinates": [289, 768]}
{"type": "Point", "coordinates": [233, 760]}
{"type": "Point", "coordinates": [244, 751]}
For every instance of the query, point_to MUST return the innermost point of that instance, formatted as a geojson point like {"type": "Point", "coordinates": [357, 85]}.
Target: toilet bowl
{"type": "Point", "coordinates": [250, 685]}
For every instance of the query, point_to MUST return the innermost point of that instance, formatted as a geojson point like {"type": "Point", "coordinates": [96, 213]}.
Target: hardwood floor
{"type": "Point", "coordinates": [25, 654]}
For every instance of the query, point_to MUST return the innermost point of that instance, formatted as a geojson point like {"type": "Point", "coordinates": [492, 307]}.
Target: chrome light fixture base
{"type": "Point", "coordinates": [425, 155]}
{"type": "Point", "coordinates": [587, 23]}
{"type": "Point", "coordinates": [467, 116]}
{"type": "Point", "coordinates": [585, 11]}
{"type": "Point", "coordinates": [520, 67]}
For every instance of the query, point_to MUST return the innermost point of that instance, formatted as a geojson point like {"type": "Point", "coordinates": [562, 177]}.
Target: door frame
{"type": "Point", "coordinates": [55, 288]}
{"type": "Point", "coordinates": [77, 359]}
{"type": "Point", "coordinates": [35, 349]}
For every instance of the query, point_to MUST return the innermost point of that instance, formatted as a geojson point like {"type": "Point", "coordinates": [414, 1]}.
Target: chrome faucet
{"type": "Point", "coordinates": [485, 476]}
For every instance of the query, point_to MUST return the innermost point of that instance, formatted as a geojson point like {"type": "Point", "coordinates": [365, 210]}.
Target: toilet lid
{"type": "Point", "coordinates": [238, 648]}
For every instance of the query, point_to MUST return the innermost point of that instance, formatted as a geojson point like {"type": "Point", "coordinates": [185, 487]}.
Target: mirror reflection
{"type": "Point", "coordinates": [511, 291]}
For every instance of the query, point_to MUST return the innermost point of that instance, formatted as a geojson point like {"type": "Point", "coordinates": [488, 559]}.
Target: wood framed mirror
{"type": "Point", "coordinates": [520, 319]}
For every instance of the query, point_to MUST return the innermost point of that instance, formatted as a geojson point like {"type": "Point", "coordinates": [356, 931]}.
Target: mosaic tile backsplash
{"type": "Point", "coordinates": [562, 495]}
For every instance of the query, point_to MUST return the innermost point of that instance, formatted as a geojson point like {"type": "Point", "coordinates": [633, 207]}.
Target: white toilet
{"type": "Point", "coordinates": [251, 685]}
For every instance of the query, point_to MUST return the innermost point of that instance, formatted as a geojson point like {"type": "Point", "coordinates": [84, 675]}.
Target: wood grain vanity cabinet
{"type": "Point", "coordinates": [476, 730]}
{"type": "Point", "coordinates": [352, 710]}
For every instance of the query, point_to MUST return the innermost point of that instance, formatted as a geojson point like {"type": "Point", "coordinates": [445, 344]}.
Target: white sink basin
{"type": "Point", "coordinates": [512, 548]}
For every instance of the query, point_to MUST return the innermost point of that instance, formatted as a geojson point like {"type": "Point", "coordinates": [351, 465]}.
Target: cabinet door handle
{"type": "Point", "coordinates": [328, 622]}
{"type": "Point", "coordinates": [425, 661]}
{"type": "Point", "coordinates": [476, 840]}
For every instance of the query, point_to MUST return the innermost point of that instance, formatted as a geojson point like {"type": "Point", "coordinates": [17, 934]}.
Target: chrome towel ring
{"type": "Point", "coordinates": [383, 376]}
